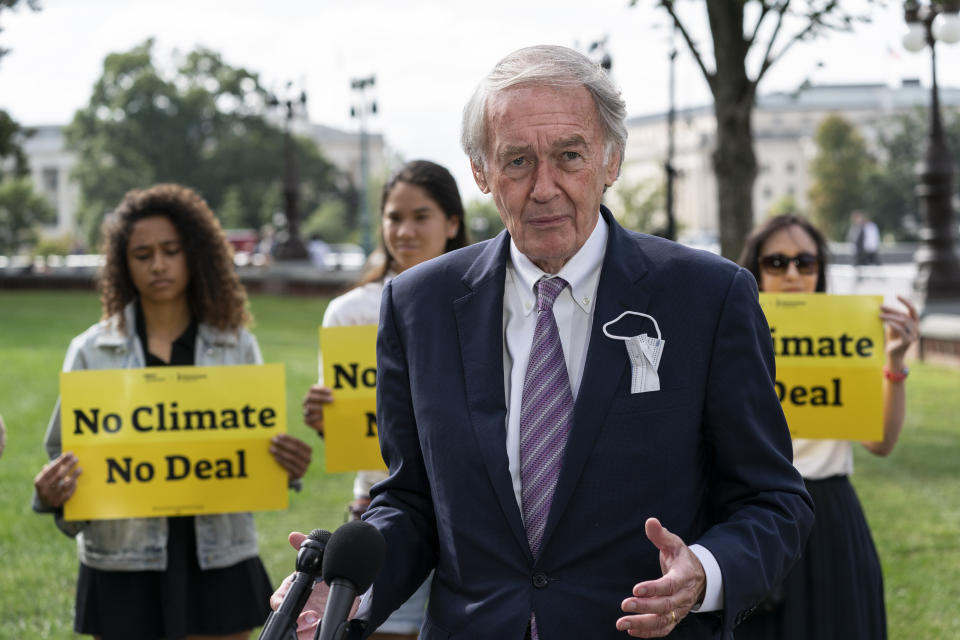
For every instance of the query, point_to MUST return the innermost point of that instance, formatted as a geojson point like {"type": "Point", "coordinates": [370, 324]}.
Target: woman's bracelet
{"type": "Point", "coordinates": [895, 376]}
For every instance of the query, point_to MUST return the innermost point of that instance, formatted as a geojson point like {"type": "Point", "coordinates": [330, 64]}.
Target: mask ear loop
{"type": "Point", "coordinates": [629, 313]}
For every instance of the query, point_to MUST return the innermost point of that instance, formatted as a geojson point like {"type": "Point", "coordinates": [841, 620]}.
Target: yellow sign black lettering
{"type": "Point", "coordinates": [828, 363]}
{"type": "Point", "coordinates": [175, 440]}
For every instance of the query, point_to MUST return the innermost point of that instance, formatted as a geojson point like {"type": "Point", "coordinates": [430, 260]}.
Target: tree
{"type": "Point", "coordinates": [891, 187]}
{"type": "Point", "coordinates": [839, 174]}
{"type": "Point", "coordinates": [11, 137]}
{"type": "Point", "coordinates": [737, 27]}
{"type": "Point", "coordinates": [11, 133]}
{"type": "Point", "coordinates": [202, 125]}
{"type": "Point", "coordinates": [483, 220]}
{"type": "Point", "coordinates": [329, 222]}
{"type": "Point", "coordinates": [12, 4]}
{"type": "Point", "coordinates": [20, 211]}
{"type": "Point", "coordinates": [784, 205]}
{"type": "Point", "coordinates": [642, 205]}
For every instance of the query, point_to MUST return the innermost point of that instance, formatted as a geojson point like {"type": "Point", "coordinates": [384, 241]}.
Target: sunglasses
{"type": "Point", "coordinates": [806, 263]}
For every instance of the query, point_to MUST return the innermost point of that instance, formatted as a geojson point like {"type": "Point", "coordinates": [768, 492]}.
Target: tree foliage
{"type": "Point", "coordinates": [483, 219]}
{"type": "Point", "coordinates": [12, 4]}
{"type": "Point", "coordinates": [891, 187]}
{"type": "Point", "coordinates": [641, 205]}
{"type": "Point", "coordinates": [11, 133]}
{"type": "Point", "coordinates": [11, 149]}
{"type": "Point", "coordinates": [764, 30]}
{"type": "Point", "coordinates": [839, 175]}
{"type": "Point", "coordinates": [21, 210]}
{"type": "Point", "coordinates": [203, 125]}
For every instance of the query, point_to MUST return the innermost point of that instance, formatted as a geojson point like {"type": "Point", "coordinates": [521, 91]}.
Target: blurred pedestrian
{"type": "Point", "coordinates": [865, 237]}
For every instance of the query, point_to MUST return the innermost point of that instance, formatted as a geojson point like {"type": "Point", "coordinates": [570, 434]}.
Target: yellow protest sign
{"type": "Point", "coordinates": [829, 352]}
{"type": "Point", "coordinates": [168, 441]}
{"type": "Point", "coordinates": [350, 421]}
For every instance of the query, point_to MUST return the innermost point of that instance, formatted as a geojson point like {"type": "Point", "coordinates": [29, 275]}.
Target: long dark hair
{"type": "Point", "coordinates": [750, 257]}
{"type": "Point", "coordinates": [442, 189]}
{"type": "Point", "coordinates": [214, 291]}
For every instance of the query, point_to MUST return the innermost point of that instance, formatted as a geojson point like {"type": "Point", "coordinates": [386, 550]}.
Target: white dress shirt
{"type": "Point", "coordinates": [573, 310]}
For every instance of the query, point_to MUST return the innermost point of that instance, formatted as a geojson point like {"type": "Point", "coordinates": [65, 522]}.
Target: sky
{"type": "Point", "coordinates": [427, 55]}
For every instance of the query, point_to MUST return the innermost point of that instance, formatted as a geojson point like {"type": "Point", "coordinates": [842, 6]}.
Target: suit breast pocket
{"type": "Point", "coordinates": [654, 401]}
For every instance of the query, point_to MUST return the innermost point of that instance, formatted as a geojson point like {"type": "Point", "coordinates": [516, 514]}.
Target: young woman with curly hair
{"type": "Point", "coordinates": [170, 297]}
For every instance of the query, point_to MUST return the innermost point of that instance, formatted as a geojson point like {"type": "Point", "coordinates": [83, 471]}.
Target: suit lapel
{"type": "Point", "coordinates": [480, 325]}
{"type": "Point", "coordinates": [620, 289]}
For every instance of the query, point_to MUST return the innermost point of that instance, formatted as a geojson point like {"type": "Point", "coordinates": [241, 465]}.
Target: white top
{"type": "Point", "coordinates": [358, 306]}
{"type": "Point", "coordinates": [818, 459]}
{"type": "Point", "coordinates": [573, 310]}
{"type": "Point", "coordinates": [871, 236]}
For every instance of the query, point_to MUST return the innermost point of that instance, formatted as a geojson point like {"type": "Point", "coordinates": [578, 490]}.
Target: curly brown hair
{"type": "Point", "coordinates": [214, 292]}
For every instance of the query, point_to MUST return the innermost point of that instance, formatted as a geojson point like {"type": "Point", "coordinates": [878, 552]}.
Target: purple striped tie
{"type": "Point", "coordinates": [546, 413]}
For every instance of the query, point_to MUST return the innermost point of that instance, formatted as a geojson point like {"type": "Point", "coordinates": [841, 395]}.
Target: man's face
{"type": "Point", "coordinates": [545, 168]}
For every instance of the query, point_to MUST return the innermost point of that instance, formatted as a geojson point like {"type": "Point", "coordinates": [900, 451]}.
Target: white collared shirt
{"type": "Point", "coordinates": [573, 310]}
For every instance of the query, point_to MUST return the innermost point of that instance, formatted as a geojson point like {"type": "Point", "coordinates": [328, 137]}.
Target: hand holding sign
{"type": "Point", "coordinates": [57, 481]}
{"type": "Point", "coordinates": [293, 454]}
{"type": "Point", "coordinates": [902, 330]}
{"type": "Point", "coordinates": [317, 396]}
{"type": "Point", "coordinates": [177, 441]}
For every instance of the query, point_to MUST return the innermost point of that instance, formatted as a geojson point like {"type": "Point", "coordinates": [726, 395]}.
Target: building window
{"type": "Point", "coordinates": [50, 182]}
{"type": "Point", "coordinates": [790, 168]}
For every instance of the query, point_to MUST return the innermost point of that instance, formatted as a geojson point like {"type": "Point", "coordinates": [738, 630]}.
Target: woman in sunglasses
{"type": "Point", "coordinates": [836, 588]}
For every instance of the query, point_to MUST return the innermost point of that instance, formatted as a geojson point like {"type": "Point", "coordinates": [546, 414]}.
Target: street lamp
{"type": "Point", "coordinates": [670, 232]}
{"type": "Point", "coordinates": [290, 245]}
{"type": "Point", "coordinates": [938, 268]}
{"type": "Point", "coordinates": [360, 110]}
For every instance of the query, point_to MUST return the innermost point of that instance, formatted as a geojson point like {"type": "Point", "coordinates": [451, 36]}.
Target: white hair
{"type": "Point", "coordinates": [546, 65]}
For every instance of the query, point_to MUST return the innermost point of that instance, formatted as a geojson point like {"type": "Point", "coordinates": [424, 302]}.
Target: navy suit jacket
{"type": "Point", "coordinates": [709, 454]}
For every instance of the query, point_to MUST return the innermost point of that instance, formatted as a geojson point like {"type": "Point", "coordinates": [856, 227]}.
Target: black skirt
{"type": "Point", "coordinates": [171, 604]}
{"type": "Point", "coordinates": [835, 591]}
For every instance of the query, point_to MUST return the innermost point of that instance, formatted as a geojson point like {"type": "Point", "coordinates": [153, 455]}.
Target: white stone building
{"type": "Point", "coordinates": [784, 126]}
{"type": "Point", "coordinates": [50, 167]}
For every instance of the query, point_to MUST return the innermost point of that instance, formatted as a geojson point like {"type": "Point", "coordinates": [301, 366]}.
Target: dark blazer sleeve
{"type": "Point", "coordinates": [401, 505]}
{"type": "Point", "coordinates": [762, 511]}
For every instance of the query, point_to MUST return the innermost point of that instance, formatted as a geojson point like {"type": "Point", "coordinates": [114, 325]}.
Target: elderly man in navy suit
{"type": "Point", "coordinates": [579, 421]}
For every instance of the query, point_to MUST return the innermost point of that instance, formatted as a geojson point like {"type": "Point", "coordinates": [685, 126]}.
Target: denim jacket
{"type": "Point", "coordinates": [136, 544]}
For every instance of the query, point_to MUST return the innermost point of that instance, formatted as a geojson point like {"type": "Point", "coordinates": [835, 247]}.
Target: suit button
{"type": "Point", "coordinates": [540, 580]}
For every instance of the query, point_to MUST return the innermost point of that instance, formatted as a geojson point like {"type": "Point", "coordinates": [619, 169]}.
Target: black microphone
{"type": "Point", "coordinates": [353, 557]}
{"type": "Point", "coordinates": [282, 623]}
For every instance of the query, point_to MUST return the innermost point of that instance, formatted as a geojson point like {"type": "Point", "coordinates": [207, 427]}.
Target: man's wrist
{"type": "Point", "coordinates": [711, 597]}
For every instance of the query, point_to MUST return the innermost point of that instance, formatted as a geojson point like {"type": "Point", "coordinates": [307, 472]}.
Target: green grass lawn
{"type": "Point", "coordinates": [912, 498]}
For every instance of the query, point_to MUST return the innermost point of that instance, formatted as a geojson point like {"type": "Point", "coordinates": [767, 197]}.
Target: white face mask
{"type": "Point", "coordinates": [644, 352]}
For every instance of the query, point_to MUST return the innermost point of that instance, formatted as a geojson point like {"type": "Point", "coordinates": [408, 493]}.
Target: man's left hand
{"type": "Point", "coordinates": [658, 606]}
